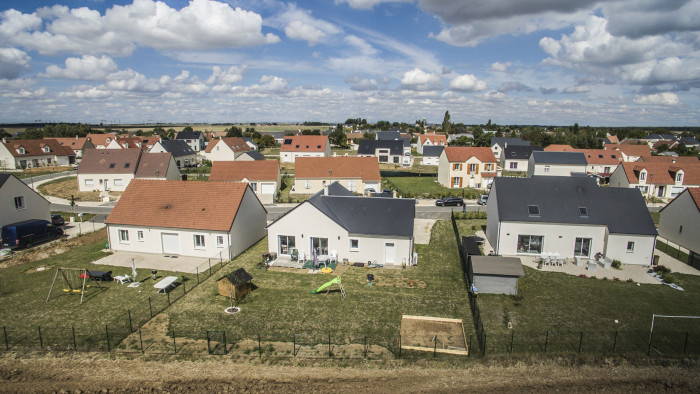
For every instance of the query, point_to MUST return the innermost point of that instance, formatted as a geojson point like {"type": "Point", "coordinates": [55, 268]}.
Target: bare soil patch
{"type": "Point", "coordinates": [429, 333]}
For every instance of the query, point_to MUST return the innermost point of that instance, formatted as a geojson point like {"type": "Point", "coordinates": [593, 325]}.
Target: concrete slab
{"type": "Point", "coordinates": [422, 229]}
{"type": "Point", "coordinates": [145, 262]}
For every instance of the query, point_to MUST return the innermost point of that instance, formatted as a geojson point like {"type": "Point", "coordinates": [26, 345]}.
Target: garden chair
{"type": "Point", "coordinates": [295, 255]}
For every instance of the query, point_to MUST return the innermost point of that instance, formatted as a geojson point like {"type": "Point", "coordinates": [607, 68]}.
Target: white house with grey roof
{"type": "Point", "coordinates": [359, 229]}
{"type": "Point", "coordinates": [386, 151]}
{"type": "Point", "coordinates": [498, 144]}
{"type": "Point", "coordinates": [517, 157]}
{"type": "Point", "coordinates": [571, 216]}
{"type": "Point", "coordinates": [556, 163]}
{"type": "Point", "coordinates": [431, 155]}
{"type": "Point", "coordinates": [183, 154]}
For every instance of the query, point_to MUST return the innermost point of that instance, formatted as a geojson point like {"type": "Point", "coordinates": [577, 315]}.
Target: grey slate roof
{"type": "Point", "coordinates": [622, 210]}
{"type": "Point", "coordinates": [690, 141]}
{"type": "Point", "coordinates": [189, 135]}
{"type": "Point", "coordinates": [519, 152]}
{"type": "Point", "coordinates": [178, 148]}
{"type": "Point", "coordinates": [366, 215]}
{"type": "Point", "coordinates": [497, 265]}
{"type": "Point", "coordinates": [238, 277]}
{"type": "Point", "coordinates": [502, 141]}
{"type": "Point", "coordinates": [559, 158]}
{"type": "Point", "coordinates": [369, 147]}
{"type": "Point", "coordinates": [388, 135]}
{"type": "Point", "coordinates": [4, 178]}
{"type": "Point", "coordinates": [660, 137]}
{"type": "Point", "coordinates": [254, 154]}
{"type": "Point", "coordinates": [433, 151]}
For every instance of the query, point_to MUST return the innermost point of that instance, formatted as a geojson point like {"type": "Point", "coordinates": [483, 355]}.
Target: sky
{"type": "Point", "coordinates": [547, 62]}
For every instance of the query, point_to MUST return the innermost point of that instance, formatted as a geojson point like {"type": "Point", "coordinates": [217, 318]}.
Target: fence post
{"type": "Point", "coordinates": [685, 345]}
{"type": "Point", "coordinates": [141, 340]}
{"type": "Point", "coordinates": [259, 346]}
{"type": "Point", "coordinates": [75, 343]}
{"type": "Point", "coordinates": [329, 346]}
{"type": "Point", "coordinates": [197, 275]}
{"type": "Point", "coordinates": [225, 346]}
{"type": "Point", "coordinates": [615, 343]}
{"type": "Point", "coordinates": [469, 353]}
{"type": "Point", "coordinates": [546, 341]}
{"type": "Point", "coordinates": [512, 338]}
{"type": "Point", "coordinates": [580, 343]}
{"type": "Point", "coordinates": [366, 344]}
{"type": "Point", "coordinates": [651, 336]}
{"type": "Point", "coordinates": [174, 345]}
{"type": "Point", "coordinates": [221, 261]}
{"type": "Point", "coordinates": [294, 345]}
{"type": "Point", "coordinates": [107, 337]}
{"type": "Point", "coordinates": [435, 346]}
{"type": "Point", "coordinates": [41, 341]}
{"type": "Point", "coordinates": [168, 294]}
{"type": "Point", "coordinates": [150, 307]}
{"type": "Point", "coordinates": [209, 260]}
{"type": "Point", "coordinates": [131, 327]}
{"type": "Point", "coordinates": [7, 343]}
{"type": "Point", "coordinates": [184, 291]}
{"type": "Point", "coordinates": [399, 346]}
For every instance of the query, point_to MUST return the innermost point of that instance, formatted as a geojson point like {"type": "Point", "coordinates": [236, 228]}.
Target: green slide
{"type": "Point", "coordinates": [335, 280]}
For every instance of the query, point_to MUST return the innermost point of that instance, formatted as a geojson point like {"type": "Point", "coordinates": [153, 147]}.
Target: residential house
{"type": "Point", "coordinates": [334, 222]}
{"type": "Point", "coordinates": [20, 154]}
{"type": "Point", "coordinates": [263, 176]}
{"type": "Point", "coordinates": [517, 157]}
{"type": "Point", "coordinates": [599, 162]}
{"type": "Point", "coordinates": [304, 146]}
{"type": "Point", "coordinates": [651, 138]}
{"type": "Point", "coordinates": [556, 163]}
{"type": "Point", "coordinates": [195, 139]}
{"type": "Point", "coordinates": [670, 144]}
{"type": "Point", "coordinates": [431, 155]}
{"type": "Point", "coordinates": [182, 153]}
{"type": "Point", "coordinates": [356, 174]}
{"type": "Point", "coordinates": [77, 144]}
{"type": "Point", "coordinates": [657, 179]}
{"type": "Point", "coordinates": [225, 149]}
{"type": "Point", "coordinates": [253, 146]}
{"type": "Point", "coordinates": [571, 217]}
{"type": "Point", "coordinates": [143, 143]}
{"type": "Point", "coordinates": [473, 167]}
{"type": "Point", "coordinates": [277, 135]}
{"type": "Point", "coordinates": [20, 202]}
{"type": "Point", "coordinates": [498, 144]}
{"type": "Point", "coordinates": [198, 219]}
{"type": "Point", "coordinates": [430, 140]}
{"type": "Point", "coordinates": [690, 142]}
{"type": "Point", "coordinates": [113, 169]}
{"type": "Point", "coordinates": [395, 136]}
{"type": "Point", "coordinates": [101, 140]}
{"type": "Point", "coordinates": [610, 139]}
{"type": "Point", "coordinates": [353, 139]}
{"type": "Point", "coordinates": [670, 159]}
{"type": "Point", "coordinates": [630, 152]}
{"type": "Point", "coordinates": [679, 223]}
{"type": "Point", "coordinates": [386, 151]}
{"type": "Point", "coordinates": [250, 156]}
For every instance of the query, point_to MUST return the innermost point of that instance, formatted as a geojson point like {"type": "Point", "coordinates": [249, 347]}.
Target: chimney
{"type": "Point", "coordinates": [325, 190]}
{"type": "Point", "coordinates": [673, 160]}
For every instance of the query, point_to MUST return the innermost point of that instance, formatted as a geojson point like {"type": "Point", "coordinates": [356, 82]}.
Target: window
{"type": "Point", "coordinates": [630, 246]}
{"type": "Point", "coordinates": [287, 243]}
{"type": "Point", "coordinates": [582, 247]}
{"type": "Point", "coordinates": [21, 150]}
{"type": "Point", "coordinates": [513, 165]}
{"type": "Point", "coordinates": [679, 177]}
{"type": "Point", "coordinates": [473, 168]}
{"type": "Point", "coordinates": [126, 165]}
{"type": "Point", "coordinates": [254, 186]}
{"type": "Point", "coordinates": [456, 182]}
{"type": "Point", "coordinates": [530, 244]}
{"type": "Point", "coordinates": [48, 160]}
{"type": "Point", "coordinates": [583, 211]}
{"type": "Point", "coordinates": [46, 149]}
{"type": "Point", "coordinates": [220, 241]}
{"type": "Point", "coordinates": [112, 165]}
{"type": "Point", "coordinates": [307, 184]}
{"type": "Point", "coordinates": [320, 245]}
{"type": "Point", "coordinates": [351, 186]}
{"type": "Point", "coordinates": [457, 166]}
{"type": "Point", "coordinates": [118, 182]}
{"type": "Point", "coordinates": [606, 170]}
{"type": "Point", "coordinates": [642, 176]}
{"type": "Point", "coordinates": [139, 235]}
{"type": "Point", "coordinates": [124, 236]}
{"type": "Point", "coordinates": [546, 168]}
{"type": "Point", "coordinates": [19, 202]}
{"type": "Point", "coordinates": [533, 210]}
{"type": "Point", "coordinates": [354, 244]}
{"type": "Point", "coordinates": [89, 182]}
{"type": "Point", "coordinates": [488, 166]}
{"type": "Point", "coordinates": [199, 241]}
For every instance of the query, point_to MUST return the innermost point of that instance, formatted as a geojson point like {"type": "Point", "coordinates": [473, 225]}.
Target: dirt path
{"type": "Point", "coordinates": [95, 372]}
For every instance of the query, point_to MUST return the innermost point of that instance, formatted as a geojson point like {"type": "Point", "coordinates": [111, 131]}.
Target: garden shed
{"type": "Point", "coordinates": [496, 274]}
{"type": "Point", "coordinates": [237, 283]}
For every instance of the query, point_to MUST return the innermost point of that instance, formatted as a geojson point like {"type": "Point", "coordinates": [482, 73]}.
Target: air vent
{"type": "Point", "coordinates": [583, 211]}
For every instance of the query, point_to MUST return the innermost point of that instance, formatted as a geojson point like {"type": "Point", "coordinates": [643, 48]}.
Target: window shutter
{"type": "Point", "coordinates": [476, 168]}
{"type": "Point", "coordinates": [469, 168]}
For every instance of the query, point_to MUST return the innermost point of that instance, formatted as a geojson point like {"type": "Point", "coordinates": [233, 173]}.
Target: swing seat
{"type": "Point", "coordinates": [76, 291]}
{"type": "Point", "coordinates": [66, 290]}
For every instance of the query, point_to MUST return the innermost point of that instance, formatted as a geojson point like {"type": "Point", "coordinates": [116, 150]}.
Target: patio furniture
{"type": "Point", "coordinates": [295, 255]}
{"type": "Point", "coordinates": [580, 261]}
{"type": "Point", "coordinates": [164, 284]}
{"type": "Point", "coordinates": [122, 279]}
{"type": "Point", "coordinates": [592, 265]}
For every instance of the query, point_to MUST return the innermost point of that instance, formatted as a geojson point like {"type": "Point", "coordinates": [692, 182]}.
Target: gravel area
{"type": "Point", "coordinates": [421, 230]}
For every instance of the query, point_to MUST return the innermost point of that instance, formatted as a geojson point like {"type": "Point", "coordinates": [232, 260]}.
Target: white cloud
{"type": "Point", "coordinates": [665, 98]}
{"type": "Point", "coordinates": [367, 4]}
{"type": "Point", "coordinates": [467, 83]}
{"type": "Point", "coordinates": [514, 87]}
{"type": "Point", "coordinates": [577, 89]}
{"type": "Point", "coordinates": [298, 24]}
{"type": "Point", "coordinates": [417, 79]}
{"type": "Point", "coordinates": [27, 93]}
{"type": "Point", "coordinates": [500, 67]}
{"type": "Point", "coordinates": [13, 62]}
{"type": "Point", "coordinates": [232, 74]}
{"type": "Point", "coordinates": [87, 68]}
{"type": "Point", "coordinates": [548, 90]}
{"type": "Point", "coordinates": [202, 24]}
{"type": "Point", "coordinates": [360, 84]}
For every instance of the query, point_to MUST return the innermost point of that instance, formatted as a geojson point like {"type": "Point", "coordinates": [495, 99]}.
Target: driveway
{"type": "Point", "coordinates": [145, 262]}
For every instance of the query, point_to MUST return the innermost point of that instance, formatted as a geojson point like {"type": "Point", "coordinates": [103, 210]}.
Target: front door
{"type": "Point", "coordinates": [471, 182]}
{"type": "Point", "coordinates": [389, 253]}
{"type": "Point", "coordinates": [106, 183]}
{"type": "Point", "coordinates": [660, 192]}
{"type": "Point", "coordinates": [320, 245]}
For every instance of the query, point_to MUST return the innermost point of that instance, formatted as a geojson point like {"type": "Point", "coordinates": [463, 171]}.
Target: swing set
{"type": "Point", "coordinates": [75, 281]}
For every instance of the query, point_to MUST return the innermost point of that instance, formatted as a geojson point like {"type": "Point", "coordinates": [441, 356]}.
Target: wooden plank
{"type": "Point", "coordinates": [435, 319]}
{"type": "Point", "coordinates": [438, 350]}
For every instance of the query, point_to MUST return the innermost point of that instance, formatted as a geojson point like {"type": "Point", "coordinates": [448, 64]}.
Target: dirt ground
{"type": "Point", "coordinates": [52, 248]}
{"type": "Point", "coordinates": [415, 332]}
{"type": "Point", "coordinates": [100, 373]}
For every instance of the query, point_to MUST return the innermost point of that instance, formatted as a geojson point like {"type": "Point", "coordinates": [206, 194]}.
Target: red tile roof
{"type": "Point", "coordinates": [73, 143]}
{"type": "Point", "coordinates": [630, 150]}
{"type": "Point", "coordinates": [154, 165]}
{"type": "Point", "coordinates": [36, 148]}
{"type": "Point", "coordinates": [365, 168]}
{"type": "Point", "coordinates": [695, 195]}
{"type": "Point", "coordinates": [434, 139]}
{"type": "Point", "coordinates": [101, 139]}
{"type": "Point", "coordinates": [237, 144]}
{"type": "Point", "coordinates": [559, 148]}
{"type": "Point", "coordinates": [258, 170]}
{"type": "Point", "coordinates": [179, 204]}
{"type": "Point", "coordinates": [304, 143]}
{"type": "Point", "coordinates": [613, 139]}
{"type": "Point", "coordinates": [662, 173]}
{"type": "Point", "coordinates": [462, 154]}
{"type": "Point", "coordinates": [109, 161]}
{"type": "Point", "coordinates": [670, 159]}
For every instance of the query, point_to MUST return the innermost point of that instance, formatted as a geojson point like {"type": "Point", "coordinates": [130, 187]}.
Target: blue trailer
{"type": "Point", "coordinates": [29, 232]}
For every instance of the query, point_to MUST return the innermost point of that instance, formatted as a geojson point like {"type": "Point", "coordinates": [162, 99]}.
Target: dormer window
{"type": "Point", "coordinates": [643, 175]}
{"type": "Point", "coordinates": [21, 150]}
{"type": "Point", "coordinates": [112, 165]}
{"type": "Point", "coordinates": [583, 211]}
{"type": "Point", "coordinates": [679, 177]}
{"type": "Point", "coordinates": [126, 165]}
{"type": "Point", "coordinates": [533, 210]}
{"type": "Point", "coordinates": [46, 149]}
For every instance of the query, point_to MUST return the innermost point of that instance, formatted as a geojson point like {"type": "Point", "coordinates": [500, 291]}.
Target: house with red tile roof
{"type": "Point", "coordinates": [679, 223]}
{"type": "Point", "coordinates": [430, 140]}
{"type": "Point", "coordinates": [601, 162]}
{"type": "Point", "coordinates": [657, 179]}
{"type": "Point", "coordinates": [20, 154]}
{"type": "Point", "coordinates": [630, 152]}
{"type": "Point", "coordinates": [101, 140]}
{"type": "Point", "coordinates": [356, 174]}
{"type": "Point", "coordinates": [198, 219]}
{"type": "Point", "coordinates": [114, 169]}
{"type": "Point", "coordinates": [226, 149]}
{"type": "Point", "coordinates": [263, 176]}
{"type": "Point", "coordinates": [77, 144]}
{"type": "Point", "coordinates": [136, 142]}
{"type": "Point", "coordinates": [473, 167]}
{"type": "Point", "coordinates": [294, 146]}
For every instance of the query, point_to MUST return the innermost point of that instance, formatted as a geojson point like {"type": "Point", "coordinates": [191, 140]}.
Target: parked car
{"type": "Point", "coordinates": [450, 201]}
{"type": "Point", "coordinates": [57, 220]}
{"type": "Point", "coordinates": [483, 199]}
{"type": "Point", "coordinates": [29, 232]}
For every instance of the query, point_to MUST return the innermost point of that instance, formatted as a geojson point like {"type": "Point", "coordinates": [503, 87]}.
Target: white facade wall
{"type": "Point", "coordinates": [221, 152]}
{"type": "Point", "coordinates": [521, 165]}
{"type": "Point", "coordinates": [472, 179]}
{"type": "Point", "coordinates": [35, 206]}
{"type": "Point", "coordinates": [680, 223]}
{"type": "Point", "coordinates": [260, 186]}
{"type": "Point", "coordinates": [289, 157]}
{"type": "Point", "coordinates": [430, 160]}
{"type": "Point", "coordinates": [643, 248]}
{"type": "Point", "coordinates": [152, 240]}
{"type": "Point", "coordinates": [101, 182]}
{"type": "Point", "coordinates": [8, 161]}
{"type": "Point", "coordinates": [553, 169]}
{"type": "Point", "coordinates": [315, 185]}
{"type": "Point", "coordinates": [184, 161]}
{"type": "Point", "coordinates": [558, 238]}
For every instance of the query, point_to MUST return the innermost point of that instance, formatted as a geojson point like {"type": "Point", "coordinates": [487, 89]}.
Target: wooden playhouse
{"type": "Point", "coordinates": [236, 284]}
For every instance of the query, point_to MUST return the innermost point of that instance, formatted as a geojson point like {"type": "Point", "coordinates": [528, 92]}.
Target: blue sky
{"type": "Point", "coordinates": [599, 63]}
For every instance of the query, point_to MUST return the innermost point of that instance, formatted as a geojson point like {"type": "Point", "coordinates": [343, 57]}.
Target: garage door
{"type": "Point", "coordinates": [268, 188]}
{"type": "Point", "coordinates": [171, 243]}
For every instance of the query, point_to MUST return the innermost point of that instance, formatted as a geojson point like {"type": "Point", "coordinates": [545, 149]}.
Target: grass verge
{"type": "Point", "coordinates": [427, 187]}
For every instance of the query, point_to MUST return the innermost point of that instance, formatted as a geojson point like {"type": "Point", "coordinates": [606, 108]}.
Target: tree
{"type": "Point", "coordinates": [462, 141]}
{"type": "Point", "coordinates": [265, 141]}
{"type": "Point", "coordinates": [368, 135]}
{"type": "Point", "coordinates": [446, 125]}
{"type": "Point", "coordinates": [234, 131]}
{"type": "Point", "coordinates": [187, 128]}
{"type": "Point", "coordinates": [338, 137]}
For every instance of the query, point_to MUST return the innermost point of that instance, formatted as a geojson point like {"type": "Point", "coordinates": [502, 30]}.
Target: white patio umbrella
{"type": "Point", "coordinates": [133, 270]}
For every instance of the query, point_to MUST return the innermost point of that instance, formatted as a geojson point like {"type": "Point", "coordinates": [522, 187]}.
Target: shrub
{"type": "Point", "coordinates": [661, 269]}
{"type": "Point", "coordinates": [617, 264]}
{"type": "Point", "coordinates": [669, 278]}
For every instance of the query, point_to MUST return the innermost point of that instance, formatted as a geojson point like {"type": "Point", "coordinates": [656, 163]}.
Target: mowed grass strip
{"type": "Point", "coordinates": [282, 305]}
{"type": "Point", "coordinates": [428, 187]}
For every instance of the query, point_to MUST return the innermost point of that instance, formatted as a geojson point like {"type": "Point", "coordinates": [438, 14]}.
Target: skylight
{"type": "Point", "coordinates": [533, 210]}
{"type": "Point", "coordinates": [583, 211]}
{"type": "Point", "coordinates": [111, 165]}
{"type": "Point", "coordinates": [126, 165]}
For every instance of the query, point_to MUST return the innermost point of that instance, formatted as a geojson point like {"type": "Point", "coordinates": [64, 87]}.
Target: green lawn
{"type": "Point", "coordinates": [282, 306]}
{"type": "Point", "coordinates": [427, 187]}
{"type": "Point", "coordinates": [285, 195]}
